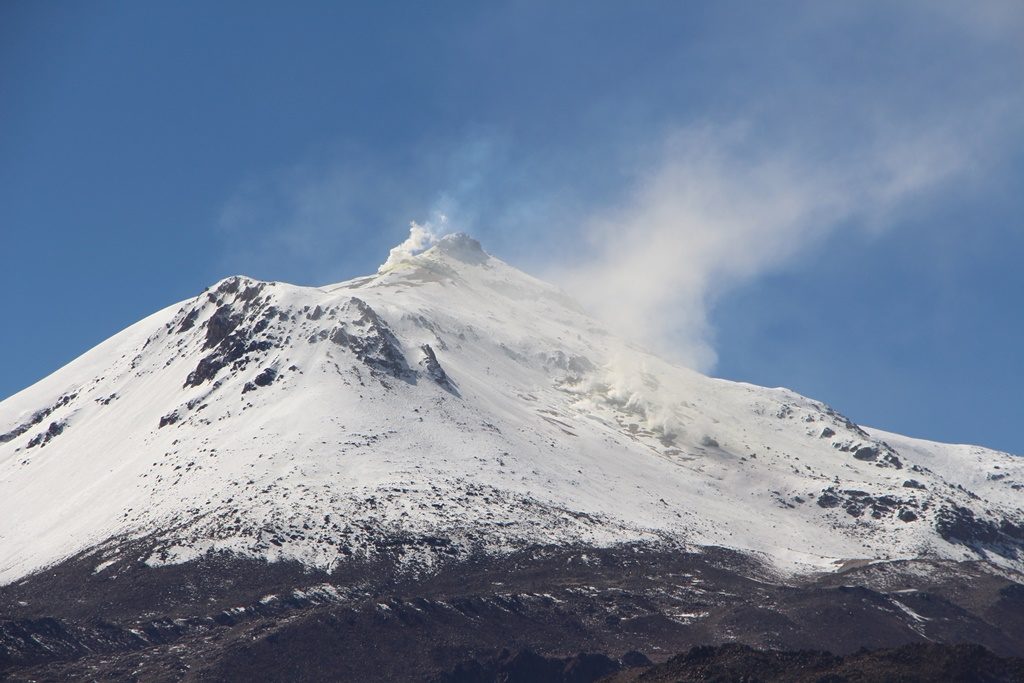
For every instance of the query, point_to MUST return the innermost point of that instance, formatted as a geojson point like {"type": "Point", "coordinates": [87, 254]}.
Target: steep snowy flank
{"type": "Point", "coordinates": [451, 404]}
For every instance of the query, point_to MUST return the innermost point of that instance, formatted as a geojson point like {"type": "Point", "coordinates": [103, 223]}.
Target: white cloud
{"type": "Point", "coordinates": [718, 211]}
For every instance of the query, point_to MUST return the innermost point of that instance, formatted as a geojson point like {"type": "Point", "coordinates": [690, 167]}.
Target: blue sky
{"type": "Point", "coordinates": [827, 198]}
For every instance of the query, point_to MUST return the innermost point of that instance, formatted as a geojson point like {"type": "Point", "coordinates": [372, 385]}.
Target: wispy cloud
{"type": "Point", "coordinates": [718, 210]}
{"type": "Point", "coordinates": [718, 206]}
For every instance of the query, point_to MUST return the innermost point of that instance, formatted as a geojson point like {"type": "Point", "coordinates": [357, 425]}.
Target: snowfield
{"type": "Point", "coordinates": [448, 405]}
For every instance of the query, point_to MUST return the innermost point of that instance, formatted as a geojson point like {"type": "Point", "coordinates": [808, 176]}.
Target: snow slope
{"type": "Point", "coordinates": [447, 405]}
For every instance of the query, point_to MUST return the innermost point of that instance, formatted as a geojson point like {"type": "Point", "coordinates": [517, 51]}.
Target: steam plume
{"type": "Point", "coordinates": [715, 213]}
{"type": "Point", "coordinates": [421, 237]}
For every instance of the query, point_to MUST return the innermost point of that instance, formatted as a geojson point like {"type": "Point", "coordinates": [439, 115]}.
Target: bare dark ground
{"type": "Point", "coordinates": [227, 619]}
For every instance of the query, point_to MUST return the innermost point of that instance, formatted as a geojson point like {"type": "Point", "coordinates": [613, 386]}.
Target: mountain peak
{"type": "Point", "coordinates": [455, 397]}
{"type": "Point", "coordinates": [423, 240]}
{"type": "Point", "coordinates": [462, 247]}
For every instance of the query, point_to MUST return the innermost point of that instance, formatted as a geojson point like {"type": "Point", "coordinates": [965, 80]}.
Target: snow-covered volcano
{"type": "Point", "coordinates": [447, 405]}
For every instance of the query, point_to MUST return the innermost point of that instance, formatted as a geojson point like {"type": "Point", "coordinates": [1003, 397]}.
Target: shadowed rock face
{"type": "Point", "coordinates": [434, 370]}
{"type": "Point", "coordinates": [960, 525]}
{"type": "Point", "coordinates": [246, 329]}
{"type": "Point", "coordinates": [373, 342]}
{"type": "Point", "coordinates": [233, 332]}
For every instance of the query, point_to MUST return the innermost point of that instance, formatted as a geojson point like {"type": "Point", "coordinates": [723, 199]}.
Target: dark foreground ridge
{"type": "Point", "coordinates": [918, 663]}
{"type": "Point", "coordinates": [527, 614]}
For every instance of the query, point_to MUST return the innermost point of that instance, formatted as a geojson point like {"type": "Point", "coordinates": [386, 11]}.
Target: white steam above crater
{"type": "Point", "coordinates": [421, 238]}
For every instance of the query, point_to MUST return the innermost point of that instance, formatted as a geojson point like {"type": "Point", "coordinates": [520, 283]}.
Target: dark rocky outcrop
{"type": "Point", "coordinates": [960, 525]}
{"type": "Point", "coordinates": [917, 663]}
{"type": "Point", "coordinates": [434, 370]}
{"type": "Point", "coordinates": [856, 503]}
{"type": "Point", "coordinates": [42, 438]}
{"type": "Point", "coordinates": [907, 515]}
{"type": "Point", "coordinates": [189, 321]}
{"type": "Point", "coordinates": [169, 419]}
{"type": "Point", "coordinates": [880, 453]}
{"type": "Point", "coordinates": [234, 331]}
{"type": "Point", "coordinates": [372, 342]}
{"type": "Point", "coordinates": [37, 417]}
{"type": "Point", "coordinates": [264, 379]}
{"type": "Point", "coordinates": [866, 453]}
{"type": "Point", "coordinates": [223, 322]}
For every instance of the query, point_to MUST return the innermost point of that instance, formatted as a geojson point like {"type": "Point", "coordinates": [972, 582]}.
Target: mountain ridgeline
{"type": "Point", "coordinates": [457, 442]}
